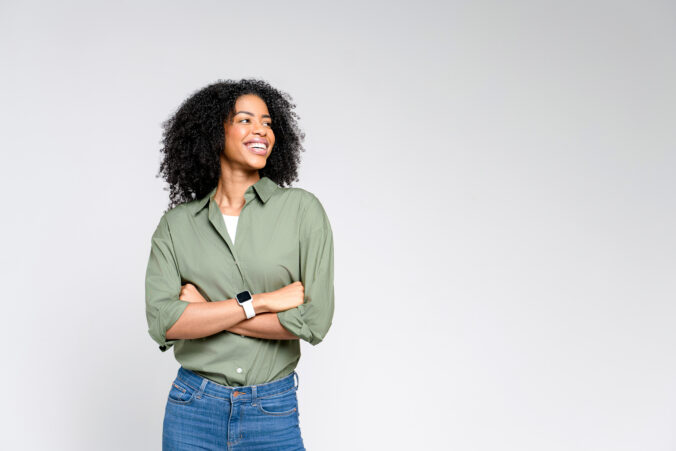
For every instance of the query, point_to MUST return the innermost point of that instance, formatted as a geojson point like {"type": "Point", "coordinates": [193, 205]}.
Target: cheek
{"type": "Point", "coordinates": [234, 136]}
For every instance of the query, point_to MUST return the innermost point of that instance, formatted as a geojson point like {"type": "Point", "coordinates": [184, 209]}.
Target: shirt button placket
{"type": "Point", "coordinates": [241, 274]}
{"type": "Point", "coordinates": [248, 196]}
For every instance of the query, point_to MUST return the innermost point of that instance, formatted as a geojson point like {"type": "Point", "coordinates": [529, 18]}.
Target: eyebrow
{"type": "Point", "coordinates": [250, 114]}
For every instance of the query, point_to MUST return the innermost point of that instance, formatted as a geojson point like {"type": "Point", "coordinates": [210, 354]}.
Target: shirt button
{"type": "Point", "coordinates": [239, 370]}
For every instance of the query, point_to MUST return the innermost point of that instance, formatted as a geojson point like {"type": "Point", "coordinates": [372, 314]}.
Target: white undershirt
{"type": "Point", "coordinates": [231, 225]}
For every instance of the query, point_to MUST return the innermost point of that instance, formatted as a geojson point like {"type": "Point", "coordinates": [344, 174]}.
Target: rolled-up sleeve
{"type": "Point", "coordinates": [311, 320]}
{"type": "Point", "coordinates": [162, 287]}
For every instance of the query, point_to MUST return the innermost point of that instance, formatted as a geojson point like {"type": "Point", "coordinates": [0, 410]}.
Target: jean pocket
{"type": "Point", "coordinates": [180, 393]}
{"type": "Point", "coordinates": [281, 404]}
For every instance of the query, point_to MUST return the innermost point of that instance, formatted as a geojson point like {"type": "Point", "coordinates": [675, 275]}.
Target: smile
{"type": "Point", "coordinates": [258, 148]}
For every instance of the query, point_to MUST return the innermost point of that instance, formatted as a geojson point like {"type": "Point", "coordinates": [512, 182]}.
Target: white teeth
{"type": "Point", "coordinates": [257, 145]}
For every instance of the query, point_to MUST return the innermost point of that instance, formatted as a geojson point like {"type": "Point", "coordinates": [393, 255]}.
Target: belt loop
{"type": "Point", "coordinates": [254, 395]}
{"type": "Point", "coordinates": [202, 387]}
{"type": "Point", "coordinates": [295, 375]}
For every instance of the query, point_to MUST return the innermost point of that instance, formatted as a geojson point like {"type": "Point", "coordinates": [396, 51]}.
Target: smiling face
{"type": "Point", "coordinates": [248, 133]}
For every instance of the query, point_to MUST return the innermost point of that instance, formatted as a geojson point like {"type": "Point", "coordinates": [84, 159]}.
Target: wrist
{"type": "Point", "coordinates": [259, 302]}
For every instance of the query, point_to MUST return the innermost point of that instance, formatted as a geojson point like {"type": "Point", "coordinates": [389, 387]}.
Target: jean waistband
{"type": "Point", "coordinates": [243, 393]}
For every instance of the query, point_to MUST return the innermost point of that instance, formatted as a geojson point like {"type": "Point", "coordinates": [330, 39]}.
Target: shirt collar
{"type": "Point", "coordinates": [264, 188]}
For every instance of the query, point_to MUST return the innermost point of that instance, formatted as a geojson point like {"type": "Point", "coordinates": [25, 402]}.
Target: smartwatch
{"type": "Point", "coordinates": [246, 301]}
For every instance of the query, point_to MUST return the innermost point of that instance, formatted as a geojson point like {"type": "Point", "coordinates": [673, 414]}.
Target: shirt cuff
{"type": "Point", "coordinates": [171, 312]}
{"type": "Point", "coordinates": [292, 320]}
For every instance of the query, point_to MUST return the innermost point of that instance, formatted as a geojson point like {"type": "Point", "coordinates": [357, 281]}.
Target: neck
{"type": "Point", "coordinates": [231, 187]}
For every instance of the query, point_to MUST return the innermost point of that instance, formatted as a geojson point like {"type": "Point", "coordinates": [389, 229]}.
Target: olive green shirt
{"type": "Point", "coordinates": [283, 235]}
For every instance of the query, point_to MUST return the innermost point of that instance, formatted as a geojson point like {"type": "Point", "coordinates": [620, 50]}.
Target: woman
{"type": "Point", "coordinates": [240, 270]}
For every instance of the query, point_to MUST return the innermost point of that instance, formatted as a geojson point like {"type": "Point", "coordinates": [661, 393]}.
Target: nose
{"type": "Point", "coordinates": [259, 129]}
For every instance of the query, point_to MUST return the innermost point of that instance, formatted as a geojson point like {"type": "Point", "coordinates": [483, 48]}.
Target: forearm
{"type": "Point", "coordinates": [266, 326]}
{"type": "Point", "coordinates": [201, 319]}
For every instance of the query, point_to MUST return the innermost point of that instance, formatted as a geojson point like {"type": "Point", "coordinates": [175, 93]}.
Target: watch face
{"type": "Point", "coordinates": [243, 296]}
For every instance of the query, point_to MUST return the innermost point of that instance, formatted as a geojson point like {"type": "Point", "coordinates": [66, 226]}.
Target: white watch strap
{"type": "Point", "coordinates": [248, 309]}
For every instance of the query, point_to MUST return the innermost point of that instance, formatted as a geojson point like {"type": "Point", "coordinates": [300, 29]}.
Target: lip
{"type": "Point", "coordinates": [258, 151]}
{"type": "Point", "coordinates": [257, 140]}
{"type": "Point", "coordinates": [255, 151]}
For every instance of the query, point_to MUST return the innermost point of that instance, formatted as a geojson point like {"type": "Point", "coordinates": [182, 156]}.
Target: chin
{"type": "Point", "coordinates": [258, 164]}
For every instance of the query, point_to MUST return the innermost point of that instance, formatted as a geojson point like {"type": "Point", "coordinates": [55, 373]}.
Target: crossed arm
{"type": "Point", "coordinates": [263, 325]}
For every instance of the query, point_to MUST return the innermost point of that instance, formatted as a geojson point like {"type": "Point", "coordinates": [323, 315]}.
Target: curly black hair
{"type": "Point", "coordinates": [193, 138]}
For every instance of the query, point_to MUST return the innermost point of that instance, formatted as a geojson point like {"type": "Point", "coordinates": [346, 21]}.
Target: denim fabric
{"type": "Point", "coordinates": [203, 415]}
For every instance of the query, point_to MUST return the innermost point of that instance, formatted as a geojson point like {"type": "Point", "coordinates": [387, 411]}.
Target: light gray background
{"type": "Point", "coordinates": [500, 181]}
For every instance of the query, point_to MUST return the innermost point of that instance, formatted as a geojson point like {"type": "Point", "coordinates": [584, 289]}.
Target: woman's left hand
{"type": "Point", "coordinates": [189, 293]}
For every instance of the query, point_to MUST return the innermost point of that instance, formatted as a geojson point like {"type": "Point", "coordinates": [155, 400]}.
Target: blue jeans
{"type": "Point", "coordinates": [201, 414]}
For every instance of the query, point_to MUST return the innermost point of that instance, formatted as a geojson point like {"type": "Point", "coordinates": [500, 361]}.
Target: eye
{"type": "Point", "coordinates": [269, 124]}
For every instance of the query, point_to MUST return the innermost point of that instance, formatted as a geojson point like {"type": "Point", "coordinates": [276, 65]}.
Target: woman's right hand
{"type": "Point", "coordinates": [285, 298]}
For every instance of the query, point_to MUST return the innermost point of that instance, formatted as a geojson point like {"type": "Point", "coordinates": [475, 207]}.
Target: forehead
{"type": "Point", "coordinates": [252, 103]}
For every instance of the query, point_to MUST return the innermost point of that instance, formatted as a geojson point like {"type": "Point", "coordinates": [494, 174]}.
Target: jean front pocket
{"type": "Point", "coordinates": [281, 404]}
{"type": "Point", "coordinates": [180, 393]}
